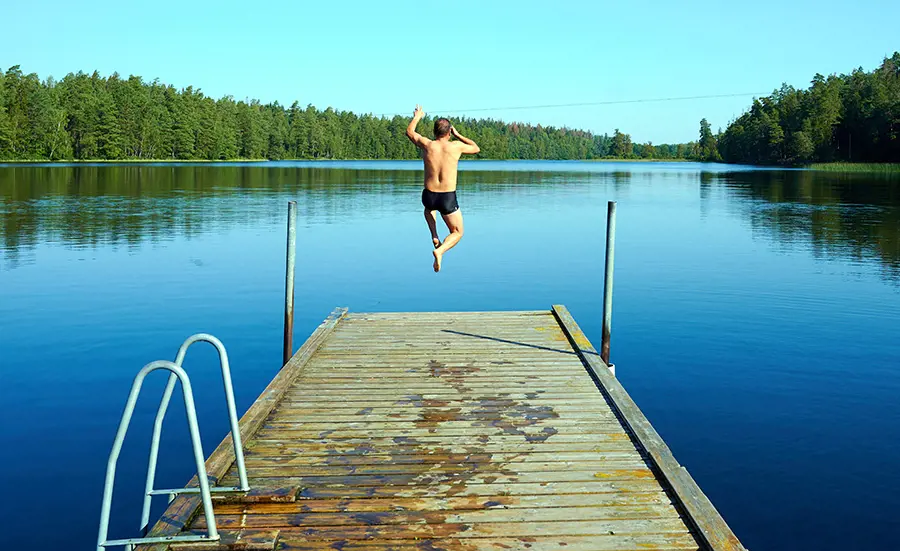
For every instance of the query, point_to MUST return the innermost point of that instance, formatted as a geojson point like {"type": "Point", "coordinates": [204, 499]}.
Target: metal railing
{"type": "Point", "coordinates": [161, 414]}
{"type": "Point", "coordinates": [177, 373]}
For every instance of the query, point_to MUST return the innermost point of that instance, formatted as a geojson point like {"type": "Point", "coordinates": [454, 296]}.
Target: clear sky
{"type": "Point", "coordinates": [384, 57]}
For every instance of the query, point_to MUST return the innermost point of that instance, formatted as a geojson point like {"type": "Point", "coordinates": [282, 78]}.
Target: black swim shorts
{"type": "Point", "coordinates": [443, 202]}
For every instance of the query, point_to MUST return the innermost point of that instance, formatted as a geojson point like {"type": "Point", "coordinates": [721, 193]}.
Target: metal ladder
{"type": "Point", "coordinates": [177, 373]}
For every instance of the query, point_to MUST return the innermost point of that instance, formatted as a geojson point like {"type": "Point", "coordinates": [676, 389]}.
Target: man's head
{"type": "Point", "coordinates": [441, 128]}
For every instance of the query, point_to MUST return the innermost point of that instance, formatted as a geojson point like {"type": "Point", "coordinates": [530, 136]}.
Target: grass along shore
{"type": "Point", "coordinates": [856, 167]}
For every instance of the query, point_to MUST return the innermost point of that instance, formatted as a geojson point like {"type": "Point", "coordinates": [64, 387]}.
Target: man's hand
{"type": "Point", "coordinates": [468, 146]}
{"type": "Point", "coordinates": [411, 133]}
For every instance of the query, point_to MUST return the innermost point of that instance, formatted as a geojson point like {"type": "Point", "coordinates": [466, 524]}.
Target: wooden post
{"type": "Point", "coordinates": [289, 282]}
{"type": "Point", "coordinates": [608, 283]}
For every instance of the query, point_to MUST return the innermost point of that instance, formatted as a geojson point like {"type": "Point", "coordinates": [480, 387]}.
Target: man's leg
{"type": "Point", "coordinates": [432, 225]}
{"type": "Point", "coordinates": [454, 222]}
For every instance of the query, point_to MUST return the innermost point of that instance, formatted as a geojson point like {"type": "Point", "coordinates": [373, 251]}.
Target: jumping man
{"type": "Point", "coordinates": [441, 157]}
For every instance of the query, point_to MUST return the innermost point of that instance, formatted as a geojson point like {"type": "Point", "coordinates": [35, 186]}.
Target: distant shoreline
{"type": "Point", "coordinates": [220, 161]}
{"type": "Point", "coordinates": [859, 168]}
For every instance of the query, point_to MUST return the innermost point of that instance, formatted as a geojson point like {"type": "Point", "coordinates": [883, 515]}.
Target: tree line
{"type": "Point", "coordinates": [852, 117]}
{"type": "Point", "coordinates": [840, 118]}
{"type": "Point", "coordinates": [91, 117]}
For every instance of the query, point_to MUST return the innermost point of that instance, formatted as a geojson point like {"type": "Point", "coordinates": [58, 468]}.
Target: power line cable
{"type": "Point", "coordinates": [584, 104]}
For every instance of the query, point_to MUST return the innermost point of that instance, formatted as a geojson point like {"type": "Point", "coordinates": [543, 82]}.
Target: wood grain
{"type": "Point", "coordinates": [419, 431]}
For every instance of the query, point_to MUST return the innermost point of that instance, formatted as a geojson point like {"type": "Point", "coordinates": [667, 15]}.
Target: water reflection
{"type": "Point", "coordinates": [852, 217]}
{"type": "Point", "coordinates": [848, 216]}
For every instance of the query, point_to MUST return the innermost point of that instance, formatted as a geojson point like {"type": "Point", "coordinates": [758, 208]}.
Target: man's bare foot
{"type": "Point", "coordinates": [437, 260]}
{"type": "Point", "coordinates": [436, 242]}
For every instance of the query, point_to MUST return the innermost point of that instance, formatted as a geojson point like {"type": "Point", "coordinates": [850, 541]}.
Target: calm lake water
{"type": "Point", "coordinates": [755, 321]}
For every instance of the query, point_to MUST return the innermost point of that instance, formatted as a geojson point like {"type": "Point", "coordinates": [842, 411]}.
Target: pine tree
{"type": "Point", "coordinates": [709, 150]}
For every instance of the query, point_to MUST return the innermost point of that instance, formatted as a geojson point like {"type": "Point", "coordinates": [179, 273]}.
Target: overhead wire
{"type": "Point", "coordinates": [583, 104]}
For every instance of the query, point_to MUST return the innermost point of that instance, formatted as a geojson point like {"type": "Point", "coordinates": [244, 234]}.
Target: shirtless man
{"type": "Point", "coordinates": [441, 156]}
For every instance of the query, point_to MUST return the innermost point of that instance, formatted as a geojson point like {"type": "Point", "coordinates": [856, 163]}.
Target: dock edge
{"type": "Point", "coordinates": [700, 514]}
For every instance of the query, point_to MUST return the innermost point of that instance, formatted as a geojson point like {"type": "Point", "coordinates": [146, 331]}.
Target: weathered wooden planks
{"type": "Point", "coordinates": [447, 431]}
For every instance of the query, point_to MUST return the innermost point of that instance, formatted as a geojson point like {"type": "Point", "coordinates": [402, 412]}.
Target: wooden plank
{"type": "Point", "coordinates": [489, 336]}
{"type": "Point", "coordinates": [452, 353]}
{"type": "Point", "coordinates": [336, 448]}
{"type": "Point", "coordinates": [356, 317]}
{"type": "Point", "coordinates": [342, 491]}
{"type": "Point", "coordinates": [565, 365]}
{"type": "Point", "coordinates": [498, 515]}
{"type": "Point", "coordinates": [445, 503]}
{"type": "Point", "coordinates": [184, 507]}
{"type": "Point", "coordinates": [459, 401]}
{"type": "Point", "coordinates": [406, 377]}
{"type": "Point", "coordinates": [275, 476]}
{"type": "Point", "coordinates": [472, 343]}
{"type": "Point", "coordinates": [593, 527]}
{"type": "Point", "coordinates": [278, 436]}
{"type": "Point", "coordinates": [603, 422]}
{"type": "Point", "coordinates": [449, 429]}
{"type": "Point", "coordinates": [634, 468]}
{"type": "Point", "coordinates": [673, 541]}
{"type": "Point", "coordinates": [482, 347]}
{"type": "Point", "coordinates": [262, 467]}
{"type": "Point", "coordinates": [441, 417]}
{"type": "Point", "coordinates": [701, 513]}
{"type": "Point", "coordinates": [315, 385]}
{"type": "Point", "coordinates": [461, 388]}
{"type": "Point", "coordinates": [417, 458]}
{"type": "Point", "coordinates": [392, 406]}
{"type": "Point", "coordinates": [388, 407]}
{"type": "Point", "coordinates": [441, 393]}
{"type": "Point", "coordinates": [529, 372]}
{"type": "Point", "coordinates": [460, 332]}
{"type": "Point", "coordinates": [302, 417]}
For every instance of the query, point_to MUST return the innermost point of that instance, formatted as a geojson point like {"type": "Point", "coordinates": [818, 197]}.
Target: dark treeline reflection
{"type": "Point", "coordinates": [840, 215]}
{"type": "Point", "coordinates": [847, 216]}
{"type": "Point", "coordinates": [90, 206]}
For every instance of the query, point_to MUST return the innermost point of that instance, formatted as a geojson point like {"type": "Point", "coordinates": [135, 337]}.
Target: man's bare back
{"type": "Point", "coordinates": [441, 157]}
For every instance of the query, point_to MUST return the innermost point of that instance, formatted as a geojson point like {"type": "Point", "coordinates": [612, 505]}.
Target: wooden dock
{"type": "Point", "coordinates": [450, 431]}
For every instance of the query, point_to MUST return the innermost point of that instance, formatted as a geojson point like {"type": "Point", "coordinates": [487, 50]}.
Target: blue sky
{"type": "Point", "coordinates": [382, 57]}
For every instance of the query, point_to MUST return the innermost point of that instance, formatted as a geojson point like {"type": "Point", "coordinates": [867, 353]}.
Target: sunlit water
{"type": "Point", "coordinates": [755, 323]}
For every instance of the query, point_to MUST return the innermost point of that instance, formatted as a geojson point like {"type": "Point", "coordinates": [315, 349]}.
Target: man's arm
{"type": "Point", "coordinates": [415, 137]}
{"type": "Point", "coordinates": [469, 146]}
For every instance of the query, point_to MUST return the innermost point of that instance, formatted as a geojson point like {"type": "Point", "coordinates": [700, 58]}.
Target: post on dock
{"type": "Point", "coordinates": [608, 283]}
{"type": "Point", "coordinates": [289, 282]}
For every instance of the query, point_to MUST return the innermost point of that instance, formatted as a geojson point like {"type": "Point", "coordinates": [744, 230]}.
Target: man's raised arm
{"type": "Point", "coordinates": [469, 146]}
{"type": "Point", "coordinates": [415, 137]}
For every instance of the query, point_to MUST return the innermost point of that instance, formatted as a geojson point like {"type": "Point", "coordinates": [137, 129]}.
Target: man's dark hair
{"type": "Point", "coordinates": [441, 128]}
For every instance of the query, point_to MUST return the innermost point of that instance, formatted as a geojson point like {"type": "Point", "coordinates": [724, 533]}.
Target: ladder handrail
{"type": "Point", "coordinates": [187, 393]}
{"type": "Point", "coordinates": [161, 414]}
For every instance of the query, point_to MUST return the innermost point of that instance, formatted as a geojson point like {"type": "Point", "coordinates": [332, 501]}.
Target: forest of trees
{"type": "Point", "coordinates": [849, 118]}
{"type": "Point", "coordinates": [91, 117]}
{"type": "Point", "coordinates": [854, 117]}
